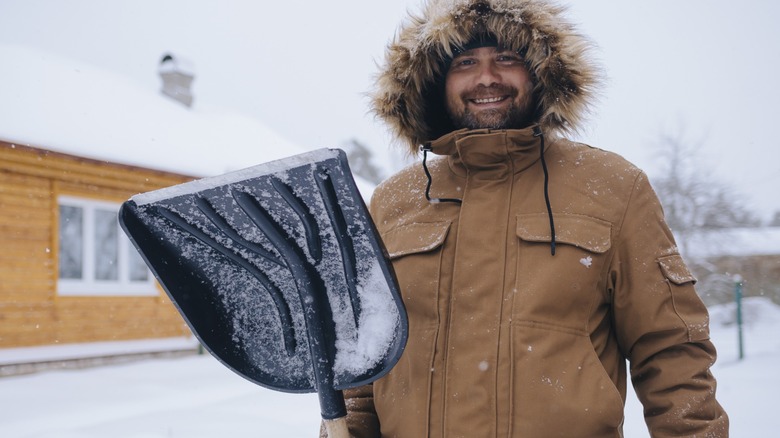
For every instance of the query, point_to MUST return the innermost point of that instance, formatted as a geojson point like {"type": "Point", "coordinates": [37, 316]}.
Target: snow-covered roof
{"type": "Point", "coordinates": [735, 242]}
{"type": "Point", "coordinates": [55, 103]}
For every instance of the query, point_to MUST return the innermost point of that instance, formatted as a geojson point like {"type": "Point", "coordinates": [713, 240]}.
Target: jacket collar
{"type": "Point", "coordinates": [487, 150]}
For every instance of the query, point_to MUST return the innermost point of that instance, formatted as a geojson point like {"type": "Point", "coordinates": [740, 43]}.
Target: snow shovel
{"type": "Point", "coordinates": [280, 273]}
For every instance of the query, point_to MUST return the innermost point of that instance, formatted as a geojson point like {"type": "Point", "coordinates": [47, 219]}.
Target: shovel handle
{"type": "Point", "coordinates": [337, 428]}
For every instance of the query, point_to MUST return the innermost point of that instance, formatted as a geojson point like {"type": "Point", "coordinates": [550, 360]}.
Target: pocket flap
{"type": "Point", "coordinates": [675, 270]}
{"type": "Point", "coordinates": [581, 231]}
{"type": "Point", "coordinates": [415, 238]}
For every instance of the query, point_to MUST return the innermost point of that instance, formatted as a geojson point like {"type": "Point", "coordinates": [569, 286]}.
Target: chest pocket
{"type": "Point", "coordinates": [415, 238]}
{"type": "Point", "coordinates": [584, 232]}
{"type": "Point", "coordinates": [416, 252]}
{"type": "Point", "coordinates": [560, 289]}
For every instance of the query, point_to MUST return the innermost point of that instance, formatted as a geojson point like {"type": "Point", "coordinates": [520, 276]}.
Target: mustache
{"type": "Point", "coordinates": [483, 91]}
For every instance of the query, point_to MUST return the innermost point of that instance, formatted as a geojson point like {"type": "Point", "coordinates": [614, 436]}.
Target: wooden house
{"type": "Point", "coordinates": [67, 273]}
{"type": "Point", "coordinates": [722, 258]}
{"type": "Point", "coordinates": [75, 142]}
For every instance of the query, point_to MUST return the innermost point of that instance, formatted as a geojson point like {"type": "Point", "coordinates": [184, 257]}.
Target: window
{"type": "Point", "coordinates": [95, 256]}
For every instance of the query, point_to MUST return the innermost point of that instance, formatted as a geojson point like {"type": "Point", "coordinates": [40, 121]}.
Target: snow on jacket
{"type": "Point", "coordinates": [506, 339]}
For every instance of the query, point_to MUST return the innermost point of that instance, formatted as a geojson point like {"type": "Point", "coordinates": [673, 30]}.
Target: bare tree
{"type": "Point", "coordinates": [699, 208]}
{"type": "Point", "coordinates": [694, 200]}
{"type": "Point", "coordinates": [775, 222]}
{"type": "Point", "coordinates": [361, 161]}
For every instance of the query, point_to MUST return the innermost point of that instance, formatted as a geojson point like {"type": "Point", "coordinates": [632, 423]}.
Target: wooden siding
{"type": "Point", "coordinates": [31, 312]}
{"type": "Point", "coordinates": [760, 274]}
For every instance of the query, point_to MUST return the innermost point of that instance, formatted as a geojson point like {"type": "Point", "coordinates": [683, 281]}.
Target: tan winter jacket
{"type": "Point", "coordinates": [506, 339]}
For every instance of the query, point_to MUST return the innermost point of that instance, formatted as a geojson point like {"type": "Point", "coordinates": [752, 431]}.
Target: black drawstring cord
{"type": "Point", "coordinates": [538, 133]}
{"type": "Point", "coordinates": [425, 149]}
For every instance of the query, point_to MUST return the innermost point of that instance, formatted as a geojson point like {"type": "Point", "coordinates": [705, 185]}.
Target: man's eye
{"type": "Point", "coordinates": [509, 58]}
{"type": "Point", "coordinates": [465, 61]}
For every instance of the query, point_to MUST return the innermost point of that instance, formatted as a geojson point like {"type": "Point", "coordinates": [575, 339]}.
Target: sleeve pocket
{"type": "Point", "coordinates": [686, 301]}
{"type": "Point", "coordinates": [675, 270]}
{"type": "Point", "coordinates": [415, 238]}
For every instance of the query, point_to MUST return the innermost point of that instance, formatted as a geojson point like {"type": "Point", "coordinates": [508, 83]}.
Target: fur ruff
{"type": "Point", "coordinates": [565, 78]}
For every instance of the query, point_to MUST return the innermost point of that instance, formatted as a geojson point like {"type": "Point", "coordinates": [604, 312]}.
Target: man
{"type": "Point", "coordinates": [532, 267]}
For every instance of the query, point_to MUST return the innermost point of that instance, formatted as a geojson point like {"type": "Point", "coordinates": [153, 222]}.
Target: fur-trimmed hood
{"type": "Point", "coordinates": [408, 90]}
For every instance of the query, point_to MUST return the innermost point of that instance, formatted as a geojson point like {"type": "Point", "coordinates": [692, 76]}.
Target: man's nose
{"type": "Point", "coordinates": [488, 74]}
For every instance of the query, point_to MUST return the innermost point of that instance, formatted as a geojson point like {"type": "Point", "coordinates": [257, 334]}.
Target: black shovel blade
{"type": "Point", "coordinates": [278, 270]}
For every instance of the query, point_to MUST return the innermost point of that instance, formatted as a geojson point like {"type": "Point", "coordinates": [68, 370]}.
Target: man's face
{"type": "Point", "coordinates": [489, 87]}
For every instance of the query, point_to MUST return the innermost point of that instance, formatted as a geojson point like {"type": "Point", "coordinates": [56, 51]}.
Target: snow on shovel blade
{"type": "Point", "coordinates": [280, 273]}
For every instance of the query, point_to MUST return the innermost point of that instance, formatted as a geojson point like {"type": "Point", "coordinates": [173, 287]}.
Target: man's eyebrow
{"type": "Point", "coordinates": [461, 54]}
{"type": "Point", "coordinates": [470, 52]}
{"type": "Point", "coordinates": [507, 50]}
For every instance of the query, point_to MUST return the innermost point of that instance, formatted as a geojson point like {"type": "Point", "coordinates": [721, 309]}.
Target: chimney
{"type": "Point", "coordinates": [176, 79]}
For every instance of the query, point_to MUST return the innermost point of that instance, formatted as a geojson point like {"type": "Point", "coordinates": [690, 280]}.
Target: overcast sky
{"type": "Point", "coordinates": [706, 68]}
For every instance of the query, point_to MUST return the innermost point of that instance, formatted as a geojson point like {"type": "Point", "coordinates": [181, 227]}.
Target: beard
{"type": "Point", "coordinates": [518, 114]}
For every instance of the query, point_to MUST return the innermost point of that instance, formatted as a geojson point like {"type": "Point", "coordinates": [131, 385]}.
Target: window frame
{"type": "Point", "coordinates": [88, 285]}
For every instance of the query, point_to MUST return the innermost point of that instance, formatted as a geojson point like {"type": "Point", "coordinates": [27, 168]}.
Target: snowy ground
{"type": "Point", "coordinates": [198, 397]}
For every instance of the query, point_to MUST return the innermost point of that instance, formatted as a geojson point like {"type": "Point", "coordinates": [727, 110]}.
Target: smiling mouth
{"type": "Point", "coordinates": [489, 100]}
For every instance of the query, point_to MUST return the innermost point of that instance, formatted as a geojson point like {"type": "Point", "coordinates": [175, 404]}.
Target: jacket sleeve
{"type": "Point", "coordinates": [662, 325]}
{"type": "Point", "coordinates": [362, 420]}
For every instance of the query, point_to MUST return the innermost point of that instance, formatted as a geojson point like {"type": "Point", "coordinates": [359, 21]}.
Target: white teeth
{"type": "Point", "coordinates": [489, 100]}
